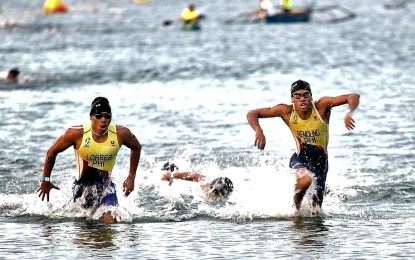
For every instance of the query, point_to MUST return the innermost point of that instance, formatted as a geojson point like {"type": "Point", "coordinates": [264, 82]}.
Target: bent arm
{"type": "Point", "coordinates": [131, 141]}
{"type": "Point", "coordinates": [280, 110]}
{"type": "Point", "coordinates": [253, 116]}
{"type": "Point", "coordinates": [326, 103]}
{"type": "Point", "coordinates": [126, 138]}
{"type": "Point", "coordinates": [351, 99]}
{"type": "Point", "coordinates": [65, 141]}
{"type": "Point", "coordinates": [69, 138]}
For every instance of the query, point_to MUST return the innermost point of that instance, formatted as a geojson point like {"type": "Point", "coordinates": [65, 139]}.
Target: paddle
{"type": "Point", "coordinates": [170, 22]}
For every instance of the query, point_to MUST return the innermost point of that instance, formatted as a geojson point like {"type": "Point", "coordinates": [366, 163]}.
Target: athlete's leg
{"type": "Point", "coordinates": [109, 200]}
{"type": "Point", "coordinates": [304, 178]}
{"type": "Point", "coordinates": [107, 218]}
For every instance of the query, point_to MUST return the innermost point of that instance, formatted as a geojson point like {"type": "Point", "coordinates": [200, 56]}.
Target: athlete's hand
{"type": "Point", "coordinates": [128, 185]}
{"type": "Point", "coordinates": [349, 121]}
{"type": "Point", "coordinates": [45, 187]}
{"type": "Point", "coordinates": [260, 139]}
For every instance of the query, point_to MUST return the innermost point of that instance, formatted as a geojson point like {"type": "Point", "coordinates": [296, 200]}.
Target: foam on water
{"type": "Point", "coordinates": [185, 96]}
{"type": "Point", "coordinates": [261, 191]}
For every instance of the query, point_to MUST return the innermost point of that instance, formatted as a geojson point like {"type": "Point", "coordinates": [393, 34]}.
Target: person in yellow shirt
{"type": "Point", "coordinates": [190, 14]}
{"type": "Point", "coordinates": [308, 121]}
{"type": "Point", "coordinates": [96, 146]}
{"type": "Point", "coordinates": [286, 5]}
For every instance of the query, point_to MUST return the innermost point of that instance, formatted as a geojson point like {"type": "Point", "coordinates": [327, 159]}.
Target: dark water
{"type": "Point", "coordinates": [185, 95]}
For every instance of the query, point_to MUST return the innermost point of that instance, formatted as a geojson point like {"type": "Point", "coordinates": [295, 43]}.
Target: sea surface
{"type": "Point", "coordinates": [185, 96]}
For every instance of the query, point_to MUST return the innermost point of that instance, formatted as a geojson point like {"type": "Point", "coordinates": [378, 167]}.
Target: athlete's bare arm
{"type": "Point", "coordinates": [125, 137]}
{"type": "Point", "coordinates": [325, 104]}
{"type": "Point", "coordinates": [187, 176]}
{"type": "Point", "coordinates": [71, 137]}
{"type": "Point", "coordinates": [281, 110]}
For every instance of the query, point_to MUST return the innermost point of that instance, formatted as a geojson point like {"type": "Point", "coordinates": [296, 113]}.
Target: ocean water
{"type": "Point", "coordinates": [185, 96]}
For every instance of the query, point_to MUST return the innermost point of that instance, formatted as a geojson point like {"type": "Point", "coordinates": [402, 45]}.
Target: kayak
{"type": "Point", "coordinates": [294, 16]}
{"type": "Point", "coordinates": [191, 26]}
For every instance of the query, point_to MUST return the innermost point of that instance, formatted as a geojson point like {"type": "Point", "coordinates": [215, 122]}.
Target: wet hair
{"type": "Point", "coordinates": [300, 85]}
{"type": "Point", "coordinates": [99, 105]}
{"type": "Point", "coordinates": [169, 167]}
{"type": "Point", "coordinates": [14, 72]}
{"type": "Point", "coordinates": [221, 186]}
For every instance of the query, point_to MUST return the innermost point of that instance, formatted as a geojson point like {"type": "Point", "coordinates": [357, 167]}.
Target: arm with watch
{"type": "Point", "coordinates": [67, 140]}
{"type": "Point", "coordinates": [45, 184]}
{"type": "Point", "coordinates": [353, 102]}
{"type": "Point", "coordinates": [325, 104]}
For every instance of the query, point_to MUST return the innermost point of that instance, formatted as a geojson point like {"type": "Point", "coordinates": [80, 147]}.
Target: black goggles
{"type": "Point", "coordinates": [99, 116]}
{"type": "Point", "coordinates": [298, 95]}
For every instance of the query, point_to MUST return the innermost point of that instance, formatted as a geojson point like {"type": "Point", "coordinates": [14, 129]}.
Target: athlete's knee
{"type": "Point", "coordinates": [304, 179]}
{"type": "Point", "coordinates": [108, 218]}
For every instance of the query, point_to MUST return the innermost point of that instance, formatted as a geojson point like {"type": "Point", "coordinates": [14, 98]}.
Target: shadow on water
{"type": "Point", "coordinates": [311, 233]}
{"type": "Point", "coordinates": [95, 236]}
{"type": "Point", "coordinates": [90, 234]}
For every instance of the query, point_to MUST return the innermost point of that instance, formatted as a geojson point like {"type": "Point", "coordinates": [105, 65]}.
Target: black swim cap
{"type": "Point", "coordinates": [221, 186]}
{"type": "Point", "coordinates": [99, 105]}
{"type": "Point", "coordinates": [15, 72]}
{"type": "Point", "coordinates": [169, 167]}
{"type": "Point", "coordinates": [300, 85]}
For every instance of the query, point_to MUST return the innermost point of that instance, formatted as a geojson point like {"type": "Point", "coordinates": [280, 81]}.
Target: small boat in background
{"type": "Point", "coordinates": [311, 13]}
{"type": "Point", "coordinates": [297, 15]}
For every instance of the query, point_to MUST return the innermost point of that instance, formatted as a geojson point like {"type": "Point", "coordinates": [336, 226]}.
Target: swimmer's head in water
{"type": "Point", "coordinates": [171, 167]}
{"type": "Point", "coordinates": [221, 186]}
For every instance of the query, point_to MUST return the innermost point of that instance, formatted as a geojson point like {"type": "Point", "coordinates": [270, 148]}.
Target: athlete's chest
{"type": "Point", "coordinates": [89, 145]}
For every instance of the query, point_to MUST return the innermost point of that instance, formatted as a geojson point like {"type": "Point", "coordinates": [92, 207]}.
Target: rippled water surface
{"type": "Point", "coordinates": [185, 95]}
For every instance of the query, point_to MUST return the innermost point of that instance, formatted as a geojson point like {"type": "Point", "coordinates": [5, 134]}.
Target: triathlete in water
{"type": "Point", "coordinates": [96, 146]}
{"type": "Point", "coordinates": [308, 121]}
{"type": "Point", "coordinates": [218, 189]}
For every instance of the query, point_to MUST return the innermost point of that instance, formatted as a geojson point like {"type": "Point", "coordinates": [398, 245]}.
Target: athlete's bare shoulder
{"type": "Point", "coordinates": [77, 126]}
{"type": "Point", "coordinates": [126, 137]}
{"type": "Point", "coordinates": [285, 107]}
{"type": "Point", "coordinates": [123, 133]}
{"type": "Point", "coordinates": [123, 130]}
{"type": "Point", "coordinates": [74, 132]}
{"type": "Point", "coordinates": [281, 110]}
